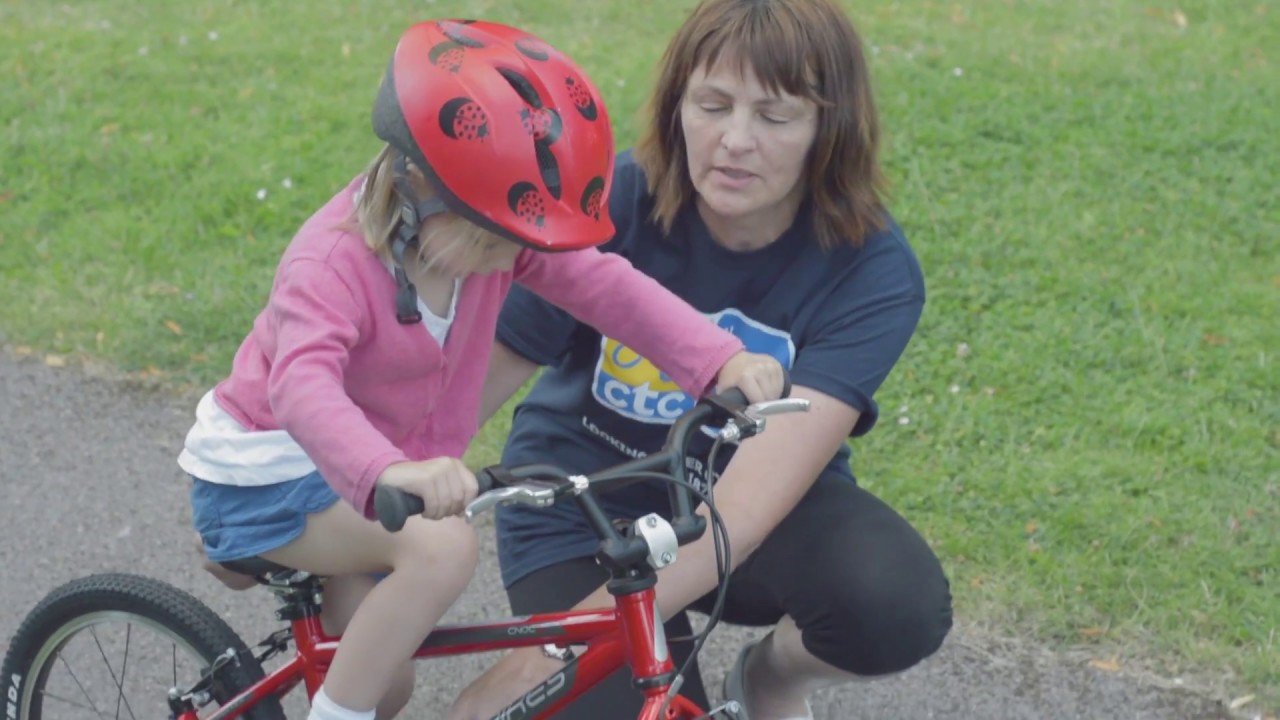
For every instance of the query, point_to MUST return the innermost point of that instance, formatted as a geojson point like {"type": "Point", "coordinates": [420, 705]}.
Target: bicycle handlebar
{"type": "Point", "coordinates": [393, 505]}
{"type": "Point", "coordinates": [541, 485]}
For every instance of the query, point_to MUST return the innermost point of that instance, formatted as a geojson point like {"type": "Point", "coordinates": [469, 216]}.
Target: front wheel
{"type": "Point", "coordinates": [112, 646]}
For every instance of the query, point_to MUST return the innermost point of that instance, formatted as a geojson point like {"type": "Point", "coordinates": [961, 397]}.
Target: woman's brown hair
{"type": "Point", "coordinates": [805, 48]}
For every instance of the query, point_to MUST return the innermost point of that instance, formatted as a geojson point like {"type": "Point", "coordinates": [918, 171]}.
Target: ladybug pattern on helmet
{"type": "Point", "coordinates": [543, 124]}
{"type": "Point", "coordinates": [593, 197]}
{"type": "Point", "coordinates": [454, 30]}
{"type": "Point", "coordinates": [527, 203]}
{"type": "Point", "coordinates": [463, 119]}
{"type": "Point", "coordinates": [581, 98]}
{"type": "Point", "coordinates": [448, 55]}
{"type": "Point", "coordinates": [506, 128]}
{"type": "Point", "coordinates": [533, 49]}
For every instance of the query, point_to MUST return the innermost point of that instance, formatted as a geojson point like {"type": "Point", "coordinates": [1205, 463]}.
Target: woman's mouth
{"type": "Point", "coordinates": [733, 178]}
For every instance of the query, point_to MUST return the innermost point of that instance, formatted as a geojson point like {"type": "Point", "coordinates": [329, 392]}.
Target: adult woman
{"type": "Point", "coordinates": [755, 196]}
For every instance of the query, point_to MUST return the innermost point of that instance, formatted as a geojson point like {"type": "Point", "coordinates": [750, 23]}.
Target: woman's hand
{"type": "Point", "coordinates": [444, 484]}
{"type": "Point", "coordinates": [760, 377]}
{"type": "Point", "coordinates": [510, 678]}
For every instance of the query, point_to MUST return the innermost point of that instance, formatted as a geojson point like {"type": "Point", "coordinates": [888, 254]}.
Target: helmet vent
{"type": "Point", "coordinates": [548, 167]}
{"type": "Point", "coordinates": [522, 86]}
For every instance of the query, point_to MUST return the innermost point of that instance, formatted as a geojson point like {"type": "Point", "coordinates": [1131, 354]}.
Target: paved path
{"type": "Point", "coordinates": [90, 485]}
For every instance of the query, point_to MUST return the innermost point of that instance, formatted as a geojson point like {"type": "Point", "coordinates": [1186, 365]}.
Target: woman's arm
{"type": "Point", "coordinates": [764, 481]}
{"type": "Point", "coordinates": [508, 372]}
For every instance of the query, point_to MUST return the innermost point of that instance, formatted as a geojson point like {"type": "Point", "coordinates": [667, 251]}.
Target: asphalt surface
{"type": "Point", "coordinates": [89, 484]}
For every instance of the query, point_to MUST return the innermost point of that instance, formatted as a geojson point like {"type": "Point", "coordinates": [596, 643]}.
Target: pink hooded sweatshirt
{"type": "Point", "coordinates": [328, 362]}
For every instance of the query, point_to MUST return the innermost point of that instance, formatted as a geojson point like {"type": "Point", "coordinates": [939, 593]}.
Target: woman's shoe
{"type": "Point", "coordinates": [735, 684]}
{"type": "Point", "coordinates": [735, 688]}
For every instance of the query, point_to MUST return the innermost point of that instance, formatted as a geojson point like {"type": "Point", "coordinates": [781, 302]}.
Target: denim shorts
{"type": "Point", "coordinates": [239, 522]}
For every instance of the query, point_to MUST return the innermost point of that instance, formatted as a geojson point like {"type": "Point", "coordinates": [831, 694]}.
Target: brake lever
{"type": "Point", "coordinates": [756, 413]}
{"type": "Point", "coordinates": [530, 492]}
{"type": "Point", "coordinates": [777, 407]}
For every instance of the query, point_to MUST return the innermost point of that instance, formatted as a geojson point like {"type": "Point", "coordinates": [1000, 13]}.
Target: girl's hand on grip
{"type": "Point", "coordinates": [444, 484]}
{"type": "Point", "coordinates": [760, 377]}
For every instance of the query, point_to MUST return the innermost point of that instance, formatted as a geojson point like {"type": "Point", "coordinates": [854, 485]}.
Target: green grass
{"type": "Point", "coordinates": [1091, 187]}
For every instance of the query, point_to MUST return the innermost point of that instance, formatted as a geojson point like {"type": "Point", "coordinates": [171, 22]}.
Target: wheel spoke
{"type": "Point", "coordinates": [124, 669]}
{"type": "Point", "coordinates": [118, 681]}
{"type": "Point", "coordinates": [50, 696]}
{"type": "Point", "coordinates": [80, 685]}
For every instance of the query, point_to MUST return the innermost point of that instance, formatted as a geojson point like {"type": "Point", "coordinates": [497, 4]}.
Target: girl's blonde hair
{"type": "Point", "coordinates": [377, 215]}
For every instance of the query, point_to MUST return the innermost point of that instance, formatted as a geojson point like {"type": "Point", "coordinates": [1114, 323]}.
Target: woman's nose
{"type": "Point", "coordinates": [736, 136]}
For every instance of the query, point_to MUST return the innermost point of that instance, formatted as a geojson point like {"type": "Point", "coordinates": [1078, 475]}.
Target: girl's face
{"type": "Point", "coordinates": [452, 247]}
{"type": "Point", "coordinates": [747, 147]}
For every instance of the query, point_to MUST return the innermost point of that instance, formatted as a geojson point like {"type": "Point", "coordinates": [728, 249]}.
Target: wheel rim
{"type": "Point", "coordinates": [112, 672]}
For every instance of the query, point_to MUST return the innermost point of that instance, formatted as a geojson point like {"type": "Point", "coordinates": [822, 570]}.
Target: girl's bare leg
{"type": "Point", "coordinates": [342, 595]}
{"type": "Point", "coordinates": [430, 564]}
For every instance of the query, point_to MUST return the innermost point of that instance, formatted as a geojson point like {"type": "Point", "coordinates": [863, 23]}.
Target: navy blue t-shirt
{"type": "Point", "coordinates": [838, 320]}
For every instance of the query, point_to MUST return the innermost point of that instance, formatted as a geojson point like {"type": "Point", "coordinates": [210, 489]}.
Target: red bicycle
{"type": "Point", "coordinates": [68, 629]}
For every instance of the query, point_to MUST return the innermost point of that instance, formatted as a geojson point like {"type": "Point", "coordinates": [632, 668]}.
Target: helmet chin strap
{"type": "Point", "coordinates": [412, 214]}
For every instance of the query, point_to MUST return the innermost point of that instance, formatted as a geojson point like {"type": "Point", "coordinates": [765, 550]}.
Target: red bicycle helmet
{"type": "Point", "coordinates": [509, 131]}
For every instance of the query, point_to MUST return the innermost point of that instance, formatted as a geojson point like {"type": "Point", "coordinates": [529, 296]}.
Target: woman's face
{"type": "Point", "coordinates": [747, 147]}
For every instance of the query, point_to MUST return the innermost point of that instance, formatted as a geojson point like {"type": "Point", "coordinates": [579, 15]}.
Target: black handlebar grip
{"type": "Point", "coordinates": [393, 506]}
{"type": "Point", "coordinates": [732, 396]}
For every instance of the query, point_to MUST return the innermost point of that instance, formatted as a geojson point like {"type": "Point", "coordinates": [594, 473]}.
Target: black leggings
{"type": "Point", "coordinates": [866, 591]}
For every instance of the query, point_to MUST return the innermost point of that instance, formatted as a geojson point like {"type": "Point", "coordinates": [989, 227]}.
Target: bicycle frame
{"type": "Point", "coordinates": [628, 634]}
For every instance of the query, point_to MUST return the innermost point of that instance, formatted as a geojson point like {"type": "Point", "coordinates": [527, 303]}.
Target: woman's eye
{"type": "Point", "coordinates": [774, 119]}
{"type": "Point", "coordinates": [713, 108]}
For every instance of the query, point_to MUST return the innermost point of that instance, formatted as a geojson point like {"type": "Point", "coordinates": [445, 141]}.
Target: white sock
{"type": "Point", "coordinates": [324, 708]}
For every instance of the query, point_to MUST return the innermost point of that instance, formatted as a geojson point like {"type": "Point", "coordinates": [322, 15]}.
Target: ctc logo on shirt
{"type": "Point", "coordinates": [633, 387]}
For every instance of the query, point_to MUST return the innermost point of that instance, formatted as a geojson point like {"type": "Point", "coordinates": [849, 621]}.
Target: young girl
{"type": "Point", "coordinates": [367, 364]}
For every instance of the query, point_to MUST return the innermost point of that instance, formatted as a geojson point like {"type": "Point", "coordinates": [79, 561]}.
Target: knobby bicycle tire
{"type": "Point", "coordinates": [135, 596]}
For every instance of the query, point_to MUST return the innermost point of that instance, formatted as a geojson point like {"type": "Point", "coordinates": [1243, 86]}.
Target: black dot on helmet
{"type": "Point", "coordinates": [591, 196]}
{"type": "Point", "coordinates": [521, 191]}
{"type": "Point", "coordinates": [582, 99]}
{"type": "Point", "coordinates": [446, 53]}
{"type": "Point", "coordinates": [450, 113]}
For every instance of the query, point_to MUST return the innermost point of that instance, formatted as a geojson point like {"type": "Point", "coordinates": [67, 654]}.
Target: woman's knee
{"type": "Point", "coordinates": [882, 617]}
{"type": "Point", "coordinates": [870, 596]}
